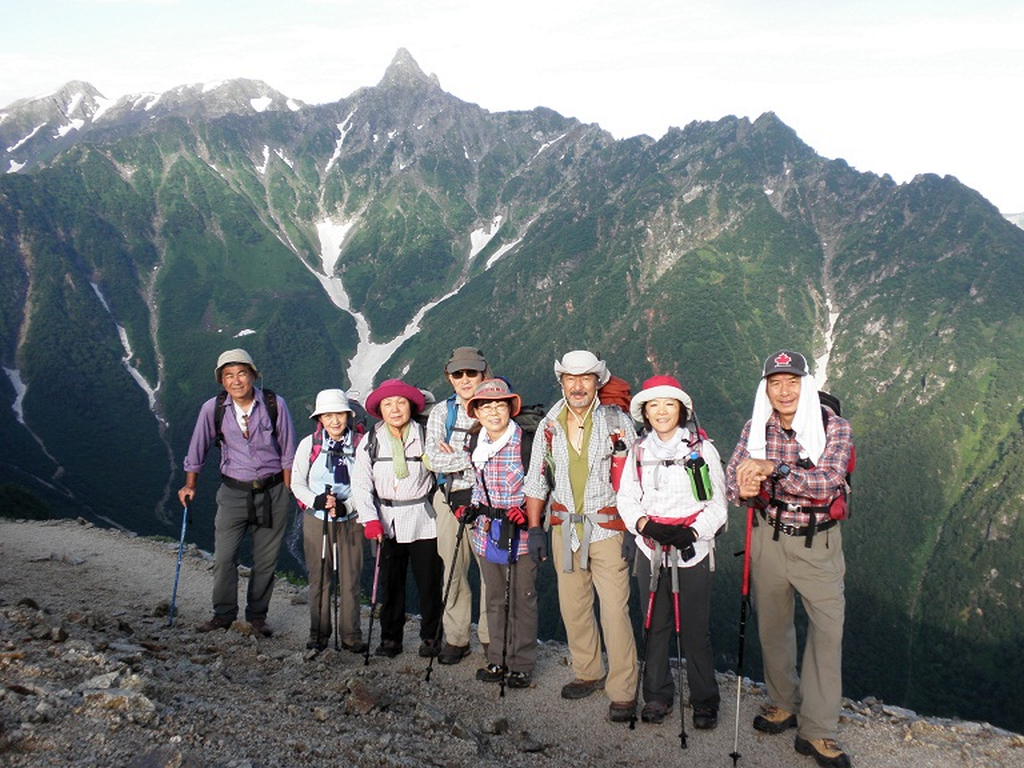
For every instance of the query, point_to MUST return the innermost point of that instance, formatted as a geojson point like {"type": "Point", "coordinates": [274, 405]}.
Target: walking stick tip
{"type": "Point", "coordinates": [735, 757]}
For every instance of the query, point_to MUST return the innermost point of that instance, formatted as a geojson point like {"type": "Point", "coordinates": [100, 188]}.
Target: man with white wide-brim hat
{"type": "Point", "coordinates": [576, 440]}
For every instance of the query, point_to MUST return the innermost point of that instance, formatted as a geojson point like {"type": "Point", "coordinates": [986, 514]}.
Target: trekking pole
{"type": "Point", "coordinates": [653, 587]}
{"type": "Point", "coordinates": [512, 534]}
{"type": "Point", "coordinates": [323, 571]}
{"type": "Point", "coordinates": [447, 590]}
{"type": "Point", "coordinates": [337, 584]}
{"type": "Point", "coordinates": [744, 605]}
{"type": "Point", "coordinates": [679, 647]}
{"type": "Point", "coordinates": [373, 603]}
{"type": "Point", "coordinates": [177, 569]}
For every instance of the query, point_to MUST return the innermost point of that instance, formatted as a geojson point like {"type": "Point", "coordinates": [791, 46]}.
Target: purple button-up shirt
{"type": "Point", "coordinates": [258, 457]}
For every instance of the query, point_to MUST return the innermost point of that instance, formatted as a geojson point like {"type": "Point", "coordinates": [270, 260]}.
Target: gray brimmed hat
{"type": "Point", "coordinates": [785, 361]}
{"type": "Point", "coordinates": [331, 401]}
{"type": "Point", "coordinates": [235, 357]}
{"type": "Point", "coordinates": [465, 359]}
{"type": "Point", "coordinates": [580, 362]}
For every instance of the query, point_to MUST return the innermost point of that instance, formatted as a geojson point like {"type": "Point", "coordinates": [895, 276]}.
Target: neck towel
{"type": "Point", "coordinates": [810, 432]}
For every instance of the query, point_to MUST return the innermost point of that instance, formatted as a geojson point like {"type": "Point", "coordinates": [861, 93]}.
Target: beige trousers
{"type": "Point", "coordinates": [608, 577]}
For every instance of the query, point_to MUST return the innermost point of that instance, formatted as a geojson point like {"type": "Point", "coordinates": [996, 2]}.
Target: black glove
{"type": "Point", "coordinates": [537, 544]}
{"type": "Point", "coordinates": [466, 515]}
{"type": "Point", "coordinates": [320, 502]}
{"type": "Point", "coordinates": [679, 536]}
{"type": "Point", "coordinates": [628, 547]}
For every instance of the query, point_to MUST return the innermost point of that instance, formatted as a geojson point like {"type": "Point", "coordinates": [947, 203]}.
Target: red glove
{"type": "Point", "coordinates": [516, 515]}
{"type": "Point", "coordinates": [373, 530]}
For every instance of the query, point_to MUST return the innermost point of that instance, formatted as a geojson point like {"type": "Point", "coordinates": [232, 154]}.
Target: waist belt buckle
{"type": "Point", "coordinates": [794, 507]}
{"type": "Point", "coordinates": [256, 485]}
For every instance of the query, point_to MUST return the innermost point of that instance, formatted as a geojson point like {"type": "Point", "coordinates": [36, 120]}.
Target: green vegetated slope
{"type": "Point", "coordinates": [696, 255]}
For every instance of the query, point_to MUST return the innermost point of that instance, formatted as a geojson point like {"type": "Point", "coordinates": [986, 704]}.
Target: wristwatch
{"type": "Point", "coordinates": [782, 471]}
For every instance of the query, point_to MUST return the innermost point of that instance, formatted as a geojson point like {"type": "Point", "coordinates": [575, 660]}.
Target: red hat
{"type": "Point", "coordinates": [395, 388]}
{"type": "Point", "coordinates": [655, 387]}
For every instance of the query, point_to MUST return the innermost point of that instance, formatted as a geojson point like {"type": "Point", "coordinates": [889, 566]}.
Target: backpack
{"type": "Point", "coordinates": [218, 414]}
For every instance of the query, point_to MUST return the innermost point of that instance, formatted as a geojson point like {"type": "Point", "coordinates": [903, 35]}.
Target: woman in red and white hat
{"type": "Point", "coordinates": [390, 489]}
{"type": "Point", "coordinates": [672, 497]}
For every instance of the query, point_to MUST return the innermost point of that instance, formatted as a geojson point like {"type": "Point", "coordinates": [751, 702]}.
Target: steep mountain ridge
{"type": "Point", "coordinates": [317, 237]}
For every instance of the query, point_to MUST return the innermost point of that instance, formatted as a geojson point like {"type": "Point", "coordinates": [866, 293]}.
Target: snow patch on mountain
{"type": "Point", "coordinates": [137, 377]}
{"type": "Point", "coordinates": [370, 356]}
{"type": "Point", "coordinates": [262, 103]}
{"type": "Point", "coordinates": [19, 393]}
{"type": "Point", "coordinates": [16, 147]}
{"type": "Point", "coordinates": [821, 362]}
{"type": "Point", "coordinates": [479, 238]}
{"type": "Point", "coordinates": [343, 128]}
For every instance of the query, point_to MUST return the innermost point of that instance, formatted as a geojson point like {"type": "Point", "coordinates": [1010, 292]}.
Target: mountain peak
{"type": "Point", "coordinates": [404, 71]}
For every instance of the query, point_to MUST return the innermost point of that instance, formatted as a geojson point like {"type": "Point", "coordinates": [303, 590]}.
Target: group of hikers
{"type": "Point", "coordinates": [583, 491]}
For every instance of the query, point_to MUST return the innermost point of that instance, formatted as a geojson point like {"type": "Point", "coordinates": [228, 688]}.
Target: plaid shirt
{"type": "Point", "coordinates": [599, 492]}
{"type": "Point", "coordinates": [456, 466]}
{"type": "Point", "coordinates": [812, 487]}
{"type": "Point", "coordinates": [504, 474]}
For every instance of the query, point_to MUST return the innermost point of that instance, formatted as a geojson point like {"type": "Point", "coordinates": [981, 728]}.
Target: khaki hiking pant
{"type": "Point", "coordinates": [608, 577]}
{"type": "Point", "coordinates": [458, 612]}
{"type": "Point", "coordinates": [779, 570]}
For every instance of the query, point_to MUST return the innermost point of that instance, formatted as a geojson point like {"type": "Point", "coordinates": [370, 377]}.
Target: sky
{"type": "Point", "coordinates": [896, 87]}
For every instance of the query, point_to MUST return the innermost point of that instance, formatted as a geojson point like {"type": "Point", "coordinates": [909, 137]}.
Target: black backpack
{"type": "Point", "coordinates": [218, 414]}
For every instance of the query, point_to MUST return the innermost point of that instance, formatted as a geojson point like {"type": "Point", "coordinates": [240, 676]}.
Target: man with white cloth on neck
{"type": "Point", "coordinates": [790, 464]}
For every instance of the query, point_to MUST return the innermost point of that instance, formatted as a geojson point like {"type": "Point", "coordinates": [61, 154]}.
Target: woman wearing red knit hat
{"type": "Point", "coordinates": [672, 497]}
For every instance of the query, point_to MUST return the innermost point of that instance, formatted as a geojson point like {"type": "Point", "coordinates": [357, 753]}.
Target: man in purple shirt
{"type": "Point", "coordinates": [256, 454]}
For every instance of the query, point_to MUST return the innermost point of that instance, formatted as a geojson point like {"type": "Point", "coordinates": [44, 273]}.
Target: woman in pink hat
{"type": "Point", "coordinates": [391, 489]}
{"type": "Point", "coordinates": [672, 497]}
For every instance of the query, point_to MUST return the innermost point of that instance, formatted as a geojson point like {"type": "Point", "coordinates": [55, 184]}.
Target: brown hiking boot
{"type": "Point", "coordinates": [621, 711]}
{"type": "Point", "coordinates": [774, 720]}
{"type": "Point", "coordinates": [452, 654]}
{"type": "Point", "coordinates": [580, 689]}
{"type": "Point", "coordinates": [826, 752]}
{"type": "Point", "coordinates": [213, 624]}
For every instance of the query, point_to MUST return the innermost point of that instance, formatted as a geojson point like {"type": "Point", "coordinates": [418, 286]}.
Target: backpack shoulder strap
{"type": "Point", "coordinates": [218, 417]}
{"type": "Point", "coordinates": [270, 398]}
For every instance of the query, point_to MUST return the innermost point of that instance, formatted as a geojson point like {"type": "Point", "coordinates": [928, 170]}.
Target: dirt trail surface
{"type": "Point", "coordinates": [90, 675]}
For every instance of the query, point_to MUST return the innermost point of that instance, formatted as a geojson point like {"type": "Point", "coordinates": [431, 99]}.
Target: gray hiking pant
{"type": "Point", "coordinates": [230, 527]}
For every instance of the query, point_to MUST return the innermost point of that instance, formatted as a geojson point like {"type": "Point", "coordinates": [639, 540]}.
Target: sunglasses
{"type": "Point", "coordinates": [459, 374]}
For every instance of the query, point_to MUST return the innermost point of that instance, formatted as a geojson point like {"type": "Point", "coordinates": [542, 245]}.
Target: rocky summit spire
{"type": "Point", "coordinates": [404, 71]}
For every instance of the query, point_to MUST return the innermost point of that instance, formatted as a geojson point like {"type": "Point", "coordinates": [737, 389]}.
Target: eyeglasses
{"type": "Point", "coordinates": [493, 405]}
{"type": "Point", "coordinates": [459, 374]}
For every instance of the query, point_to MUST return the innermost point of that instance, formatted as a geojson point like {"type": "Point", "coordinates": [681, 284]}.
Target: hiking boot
{"type": "Point", "coordinates": [215, 623]}
{"type": "Point", "coordinates": [388, 648]}
{"type": "Point", "coordinates": [774, 720]}
{"type": "Point", "coordinates": [655, 712]}
{"type": "Point", "coordinates": [430, 647]}
{"type": "Point", "coordinates": [259, 626]}
{"type": "Point", "coordinates": [580, 689]}
{"type": "Point", "coordinates": [452, 654]}
{"type": "Point", "coordinates": [519, 680]}
{"type": "Point", "coordinates": [826, 752]}
{"type": "Point", "coordinates": [316, 643]}
{"type": "Point", "coordinates": [621, 711]}
{"type": "Point", "coordinates": [492, 673]}
{"type": "Point", "coordinates": [357, 647]}
{"type": "Point", "coordinates": [705, 718]}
